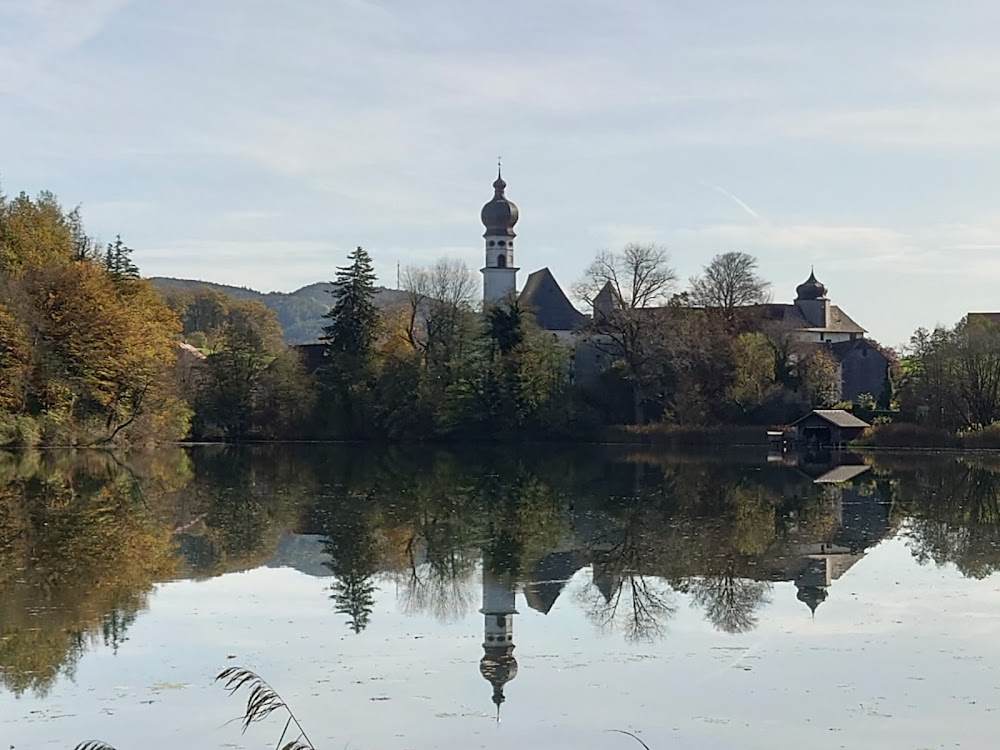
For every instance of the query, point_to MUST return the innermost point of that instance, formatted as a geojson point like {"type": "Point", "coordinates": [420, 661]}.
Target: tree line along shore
{"type": "Point", "coordinates": [92, 354]}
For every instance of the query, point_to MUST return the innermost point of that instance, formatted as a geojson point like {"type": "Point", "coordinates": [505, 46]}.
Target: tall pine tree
{"type": "Point", "coordinates": [350, 339]}
{"type": "Point", "coordinates": [354, 318]}
{"type": "Point", "coordinates": [117, 260]}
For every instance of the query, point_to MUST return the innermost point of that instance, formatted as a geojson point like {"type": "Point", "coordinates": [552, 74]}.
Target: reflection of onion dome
{"type": "Point", "coordinates": [499, 215]}
{"type": "Point", "coordinates": [810, 288]}
{"type": "Point", "coordinates": [811, 596]}
{"type": "Point", "coordinates": [499, 667]}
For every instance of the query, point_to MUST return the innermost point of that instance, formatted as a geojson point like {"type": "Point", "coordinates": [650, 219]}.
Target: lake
{"type": "Point", "coordinates": [490, 597]}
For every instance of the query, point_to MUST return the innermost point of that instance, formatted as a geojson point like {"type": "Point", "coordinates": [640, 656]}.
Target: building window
{"type": "Point", "coordinates": [501, 261]}
{"type": "Point", "coordinates": [491, 243]}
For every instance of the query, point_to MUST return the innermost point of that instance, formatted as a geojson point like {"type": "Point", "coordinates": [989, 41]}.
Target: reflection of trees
{"type": "Point", "coordinates": [354, 593]}
{"type": "Point", "coordinates": [638, 606]}
{"type": "Point", "coordinates": [955, 514]}
{"type": "Point", "coordinates": [701, 528]}
{"type": "Point", "coordinates": [241, 504]}
{"type": "Point", "coordinates": [353, 557]}
{"type": "Point", "coordinates": [506, 514]}
{"type": "Point", "coordinates": [730, 602]}
{"type": "Point", "coordinates": [439, 584]}
{"type": "Point", "coordinates": [625, 595]}
{"type": "Point", "coordinates": [80, 548]}
{"type": "Point", "coordinates": [442, 525]}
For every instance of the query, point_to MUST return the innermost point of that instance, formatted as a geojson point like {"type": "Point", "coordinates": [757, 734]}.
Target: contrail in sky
{"type": "Point", "coordinates": [742, 204]}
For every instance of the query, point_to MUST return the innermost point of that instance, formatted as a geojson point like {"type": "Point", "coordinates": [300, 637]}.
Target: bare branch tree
{"type": "Point", "coordinates": [438, 299]}
{"type": "Point", "coordinates": [415, 282]}
{"type": "Point", "coordinates": [638, 276]}
{"type": "Point", "coordinates": [730, 280]}
{"type": "Point", "coordinates": [624, 288]}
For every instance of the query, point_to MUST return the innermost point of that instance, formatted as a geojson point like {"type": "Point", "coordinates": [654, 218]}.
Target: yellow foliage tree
{"type": "Point", "coordinates": [113, 345]}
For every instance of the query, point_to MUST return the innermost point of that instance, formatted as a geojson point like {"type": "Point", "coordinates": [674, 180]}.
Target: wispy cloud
{"type": "Point", "coordinates": [735, 199]}
{"type": "Point", "coordinates": [261, 141]}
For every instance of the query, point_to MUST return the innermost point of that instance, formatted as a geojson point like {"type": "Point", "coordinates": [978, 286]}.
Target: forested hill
{"type": "Point", "coordinates": [300, 312]}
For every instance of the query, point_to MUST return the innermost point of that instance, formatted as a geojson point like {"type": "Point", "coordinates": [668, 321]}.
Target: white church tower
{"type": "Point", "coordinates": [498, 665]}
{"type": "Point", "coordinates": [499, 274]}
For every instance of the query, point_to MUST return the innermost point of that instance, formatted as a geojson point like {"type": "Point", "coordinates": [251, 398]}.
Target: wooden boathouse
{"type": "Point", "coordinates": [824, 428]}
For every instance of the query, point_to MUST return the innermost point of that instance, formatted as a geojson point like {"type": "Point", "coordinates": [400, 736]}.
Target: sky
{"type": "Point", "coordinates": [256, 143]}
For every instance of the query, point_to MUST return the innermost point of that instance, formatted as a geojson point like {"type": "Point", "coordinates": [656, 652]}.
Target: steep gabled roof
{"type": "Point", "coordinates": [840, 322]}
{"type": "Point", "coordinates": [550, 305]}
{"type": "Point", "coordinates": [842, 473]}
{"type": "Point", "coordinates": [836, 417]}
{"type": "Point", "coordinates": [549, 577]}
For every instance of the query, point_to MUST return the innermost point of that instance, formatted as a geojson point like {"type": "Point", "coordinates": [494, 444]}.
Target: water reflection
{"type": "Point", "coordinates": [629, 537]}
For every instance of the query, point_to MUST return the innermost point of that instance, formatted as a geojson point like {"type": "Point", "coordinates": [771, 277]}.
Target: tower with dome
{"type": "Point", "coordinates": [498, 665]}
{"type": "Point", "coordinates": [499, 216]}
{"type": "Point", "coordinates": [541, 296]}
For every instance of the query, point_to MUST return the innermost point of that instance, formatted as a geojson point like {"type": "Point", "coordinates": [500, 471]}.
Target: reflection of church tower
{"type": "Point", "coordinates": [498, 665]}
{"type": "Point", "coordinates": [812, 584]}
{"type": "Point", "coordinates": [499, 217]}
{"type": "Point", "coordinates": [811, 596]}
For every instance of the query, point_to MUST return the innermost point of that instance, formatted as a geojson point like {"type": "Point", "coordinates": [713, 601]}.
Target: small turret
{"type": "Point", "coordinates": [811, 300]}
{"type": "Point", "coordinates": [811, 288]}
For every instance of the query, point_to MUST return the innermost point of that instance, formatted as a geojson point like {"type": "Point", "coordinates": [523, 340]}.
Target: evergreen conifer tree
{"type": "Point", "coordinates": [350, 340]}
{"type": "Point", "coordinates": [354, 318]}
{"type": "Point", "coordinates": [118, 260]}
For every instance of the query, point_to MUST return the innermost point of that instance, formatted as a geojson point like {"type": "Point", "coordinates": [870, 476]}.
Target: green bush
{"type": "Point", "coordinates": [20, 431]}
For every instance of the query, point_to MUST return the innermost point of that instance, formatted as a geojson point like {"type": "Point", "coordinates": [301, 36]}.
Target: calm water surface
{"type": "Point", "coordinates": [406, 599]}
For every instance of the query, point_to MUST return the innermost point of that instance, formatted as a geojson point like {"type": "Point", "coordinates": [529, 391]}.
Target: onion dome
{"type": "Point", "coordinates": [810, 288]}
{"type": "Point", "coordinates": [499, 215]}
{"type": "Point", "coordinates": [811, 596]}
{"type": "Point", "coordinates": [499, 667]}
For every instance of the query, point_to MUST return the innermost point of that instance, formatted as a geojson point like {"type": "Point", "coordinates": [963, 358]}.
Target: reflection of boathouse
{"type": "Point", "coordinates": [860, 521]}
{"type": "Point", "coordinates": [855, 518]}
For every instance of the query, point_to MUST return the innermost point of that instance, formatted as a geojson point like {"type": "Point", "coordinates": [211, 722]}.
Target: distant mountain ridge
{"type": "Point", "coordinates": [300, 312]}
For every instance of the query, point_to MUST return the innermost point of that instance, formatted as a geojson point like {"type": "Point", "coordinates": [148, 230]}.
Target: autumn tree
{"type": "Point", "coordinates": [86, 349]}
{"type": "Point", "coordinates": [820, 378]}
{"type": "Point", "coordinates": [234, 373]}
{"type": "Point", "coordinates": [754, 374]}
{"type": "Point", "coordinates": [15, 362]}
{"type": "Point", "coordinates": [35, 234]}
{"type": "Point", "coordinates": [254, 384]}
{"type": "Point", "coordinates": [954, 374]}
{"type": "Point", "coordinates": [203, 311]}
{"type": "Point", "coordinates": [105, 353]}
